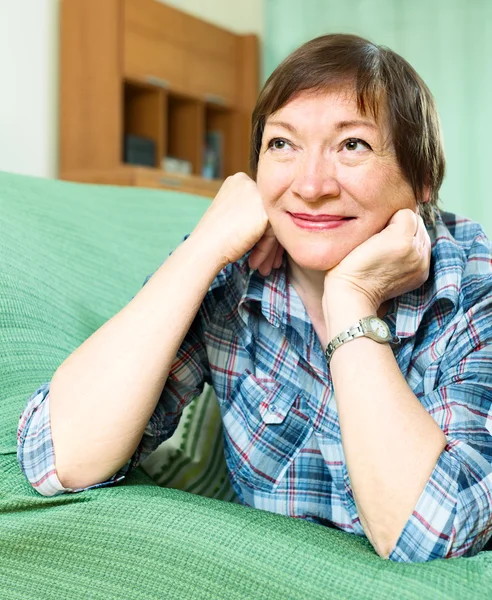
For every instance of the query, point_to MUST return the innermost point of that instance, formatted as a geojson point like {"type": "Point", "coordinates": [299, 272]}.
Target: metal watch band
{"type": "Point", "coordinates": [360, 329]}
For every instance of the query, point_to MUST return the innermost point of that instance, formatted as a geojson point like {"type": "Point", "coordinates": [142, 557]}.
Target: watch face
{"type": "Point", "coordinates": [379, 328]}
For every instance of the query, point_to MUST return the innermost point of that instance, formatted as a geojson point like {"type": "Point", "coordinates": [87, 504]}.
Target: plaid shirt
{"type": "Point", "coordinates": [253, 341]}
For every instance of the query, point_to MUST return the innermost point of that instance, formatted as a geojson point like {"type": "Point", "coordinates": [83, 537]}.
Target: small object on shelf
{"type": "Point", "coordinates": [212, 160]}
{"type": "Point", "coordinates": [158, 81]}
{"type": "Point", "coordinates": [176, 165]}
{"type": "Point", "coordinates": [139, 151]}
{"type": "Point", "coordinates": [215, 99]}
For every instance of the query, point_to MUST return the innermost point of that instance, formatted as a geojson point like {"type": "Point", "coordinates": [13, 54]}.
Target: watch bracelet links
{"type": "Point", "coordinates": [349, 334]}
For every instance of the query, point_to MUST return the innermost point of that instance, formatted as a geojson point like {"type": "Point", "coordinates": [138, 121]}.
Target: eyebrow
{"type": "Point", "coordinates": [340, 126]}
{"type": "Point", "coordinates": [354, 123]}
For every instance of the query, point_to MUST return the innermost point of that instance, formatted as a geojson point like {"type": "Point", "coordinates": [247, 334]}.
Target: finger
{"type": "Point", "coordinates": [423, 246]}
{"type": "Point", "coordinates": [266, 266]}
{"type": "Point", "coordinates": [262, 250]}
{"type": "Point", "coordinates": [406, 221]}
{"type": "Point", "coordinates": [421, 236]}
{"type": "Point", "coordinates": [427, 246]}
{"type": "Point", "coordinates": [277, 263]}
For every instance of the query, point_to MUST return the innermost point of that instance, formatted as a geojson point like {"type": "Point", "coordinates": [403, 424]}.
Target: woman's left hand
{"type": "Point", "coordinates": [390, 263]}
{"type": "Point", "coordinates": [267, 253]}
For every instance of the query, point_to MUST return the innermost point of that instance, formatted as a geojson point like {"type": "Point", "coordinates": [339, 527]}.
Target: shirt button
{"type": "Point", "coordinates": [272, 408]}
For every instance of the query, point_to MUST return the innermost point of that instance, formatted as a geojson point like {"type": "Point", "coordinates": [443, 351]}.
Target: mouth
{"type": "Point", "coordinates": [319, 222]}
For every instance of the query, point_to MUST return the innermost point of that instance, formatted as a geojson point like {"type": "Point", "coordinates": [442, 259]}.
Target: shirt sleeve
{"type": "Point", "coordinates": [187, 377]}
{"type": "Point", "coordinates": [35, 451]}
{"type": "Point", "coordinates": [453, 516]}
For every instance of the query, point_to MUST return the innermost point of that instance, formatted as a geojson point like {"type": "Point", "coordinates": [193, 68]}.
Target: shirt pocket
{"type": "Point", "coordinates": [264, 431]}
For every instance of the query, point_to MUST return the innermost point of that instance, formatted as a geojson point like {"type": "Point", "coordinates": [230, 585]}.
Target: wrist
{"type": "Point", "coordinates": [342, 311]}
{"type": "Point", "coordinates": [370, 327]}
{"type": "Point", "coordinates": [207, 250]}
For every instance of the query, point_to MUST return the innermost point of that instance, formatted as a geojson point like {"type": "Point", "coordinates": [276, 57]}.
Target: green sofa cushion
{"type": "Point", "coordinates": [71, 256]}
{"type": "Point", "coordinates": [192, 459]}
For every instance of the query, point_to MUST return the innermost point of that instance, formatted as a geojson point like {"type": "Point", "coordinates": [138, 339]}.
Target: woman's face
{"type": "Point", "coordinates": [328, 177]}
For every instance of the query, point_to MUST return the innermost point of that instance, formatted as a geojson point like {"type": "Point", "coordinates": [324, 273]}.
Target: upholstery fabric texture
{"type": "Point", "coordinates": [72, 255]}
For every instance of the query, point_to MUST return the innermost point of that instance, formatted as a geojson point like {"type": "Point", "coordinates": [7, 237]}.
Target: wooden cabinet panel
{"type": "Point", "coordinates": [153, 59]}
{"type": "Point", "coordinates": [212, 78]}
{"type": "Point", "coordinates": [90, 85]}
{"type": "Point", "coordinates": [151, 17]}
{"type": "Point", "coordinates": [153, 43]}
{"type": "Point", "coordinates": [211, 61]}
{"type": "Point", "coordinates": [248, 72]}
{"type": "Point", "coordinates": [205, 38]}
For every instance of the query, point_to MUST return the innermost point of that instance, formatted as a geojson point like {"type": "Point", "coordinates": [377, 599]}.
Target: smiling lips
{"type": "Point", "coordinates": [318, 222]}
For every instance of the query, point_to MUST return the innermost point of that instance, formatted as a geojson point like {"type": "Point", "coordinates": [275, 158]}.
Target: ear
{"type": "Point", "coordinates": [426, 194]}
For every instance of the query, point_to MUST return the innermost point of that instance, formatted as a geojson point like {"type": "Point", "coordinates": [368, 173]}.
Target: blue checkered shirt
{"type": "Point", "coordinates": [254, 342]}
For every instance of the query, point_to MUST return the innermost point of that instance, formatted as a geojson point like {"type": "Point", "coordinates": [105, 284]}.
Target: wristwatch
{"type": "Point", "coordinates": [372, 327]}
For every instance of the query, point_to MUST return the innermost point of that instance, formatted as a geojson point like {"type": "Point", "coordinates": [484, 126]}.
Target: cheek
{"type": "Point", "coordinates": [272, 179]}
{"type": "Point", "coordinates": [381, 191]}
{"type": "Point", "coordinates": [366, 185]}
{"type": "Point", "coordinates": [397, 195]}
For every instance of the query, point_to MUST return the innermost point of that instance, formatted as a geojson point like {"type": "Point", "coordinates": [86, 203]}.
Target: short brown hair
{"type": "Point", "coordinates": [378, 75]}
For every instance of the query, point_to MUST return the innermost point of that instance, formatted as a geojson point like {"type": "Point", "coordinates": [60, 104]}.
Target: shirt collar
{"type": "Point", "coordinates": [282, 308]}
{"type": "Point", "coordinates": [448, 261]}
{"type": "Point", "coordinates": [270, 292]}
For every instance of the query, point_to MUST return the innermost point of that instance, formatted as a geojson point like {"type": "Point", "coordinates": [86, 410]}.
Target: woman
{"type": "Point", "coordinates": [353, 371]}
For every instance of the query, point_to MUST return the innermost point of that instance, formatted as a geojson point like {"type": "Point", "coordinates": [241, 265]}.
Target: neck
{"type": "Point", "coordinates": [309, 284]}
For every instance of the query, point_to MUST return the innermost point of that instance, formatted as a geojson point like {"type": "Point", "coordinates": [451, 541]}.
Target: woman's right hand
{"type": "Point", "coordinates": [236, 221]}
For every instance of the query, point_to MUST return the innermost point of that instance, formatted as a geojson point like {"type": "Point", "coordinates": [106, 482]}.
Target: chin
{"type": "Point", "coordinates": [316, 259]}
{"type": "Point", "coordinates": [317, 251]}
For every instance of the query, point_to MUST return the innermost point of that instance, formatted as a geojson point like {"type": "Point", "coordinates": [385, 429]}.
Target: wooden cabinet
{"type": "Point", "coordinates": [142, 68]}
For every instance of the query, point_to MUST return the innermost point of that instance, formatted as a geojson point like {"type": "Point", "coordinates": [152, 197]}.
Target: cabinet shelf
{"type": "Point", "coordinates": [131, 175]}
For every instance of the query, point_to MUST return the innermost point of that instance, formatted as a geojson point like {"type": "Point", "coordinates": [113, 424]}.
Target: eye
{"type": "Point", "coordinates": [356, 145]}
{"type": "Point", "coordinates": [278, 144]}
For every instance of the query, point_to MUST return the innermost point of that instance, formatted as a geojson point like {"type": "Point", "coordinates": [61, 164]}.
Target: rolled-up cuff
{"type": "Point", "coordinates": [428, 533]}
{"type": "Point", "coordinates": [35, 451]}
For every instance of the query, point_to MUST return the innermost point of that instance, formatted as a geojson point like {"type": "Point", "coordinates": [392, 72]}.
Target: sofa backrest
{"type": "Point", "coordinates": [71, 256]}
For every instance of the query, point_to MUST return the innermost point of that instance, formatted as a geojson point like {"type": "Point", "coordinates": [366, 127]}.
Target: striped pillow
{"type": "Point", "coordinates": [193, 460]}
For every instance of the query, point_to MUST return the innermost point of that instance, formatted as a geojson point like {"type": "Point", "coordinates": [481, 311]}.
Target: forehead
{"type": "Point", "coordinates": [326, 107]}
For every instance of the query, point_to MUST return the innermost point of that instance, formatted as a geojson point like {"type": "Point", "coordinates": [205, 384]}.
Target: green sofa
{"type": "Point", "coordinates": [71, 256]}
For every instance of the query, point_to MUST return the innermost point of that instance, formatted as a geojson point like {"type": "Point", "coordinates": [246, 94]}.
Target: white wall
{"type": "Point", "coordinates": [29, 92]}
{"type": "Point", "coordinates": [29, 73]}
{"type": "Point", "coordinates": [241, 16]}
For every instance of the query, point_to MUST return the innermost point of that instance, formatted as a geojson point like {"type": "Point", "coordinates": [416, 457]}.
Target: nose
{"type": "Point", "coordinates": [315, 178]}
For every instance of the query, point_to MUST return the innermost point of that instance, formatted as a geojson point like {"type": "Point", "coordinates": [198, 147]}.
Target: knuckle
{"type": "Point", "coordinates": [402, 248]}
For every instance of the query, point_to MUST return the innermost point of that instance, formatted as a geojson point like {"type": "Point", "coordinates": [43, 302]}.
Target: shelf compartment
{"type": "Point", "coordinates": [231, 127]}
{"type": "Point", "coordinates": [184, 131]}
{"type": "Point", "coordinates": [143, 115]}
